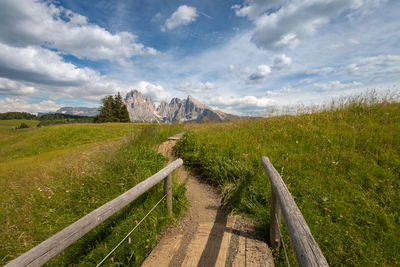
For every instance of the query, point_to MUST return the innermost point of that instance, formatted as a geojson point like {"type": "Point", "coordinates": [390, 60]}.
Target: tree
{"type": "Point", "coordinates": [113, 110]}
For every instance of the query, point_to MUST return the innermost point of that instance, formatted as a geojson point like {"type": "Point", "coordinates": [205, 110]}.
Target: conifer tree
{"type": "Point", "coordinates": [113, 110]}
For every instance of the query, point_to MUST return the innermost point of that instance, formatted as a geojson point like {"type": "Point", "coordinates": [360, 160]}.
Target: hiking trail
{"type": "Point", "coordinates": [207, 235]}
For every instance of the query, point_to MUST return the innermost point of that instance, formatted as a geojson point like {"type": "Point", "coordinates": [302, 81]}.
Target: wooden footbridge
{"type": "Point", "coordinates": [206, 236]}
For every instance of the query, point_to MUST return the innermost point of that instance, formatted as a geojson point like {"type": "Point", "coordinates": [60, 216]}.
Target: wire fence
{"type": "Point", "coordinates": [283, 242]}
{"type": "Point", "coordinates": [122, 241]}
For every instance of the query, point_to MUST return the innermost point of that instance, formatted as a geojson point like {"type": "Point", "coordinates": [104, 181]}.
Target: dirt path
{"type": "Point", "coordinates": [207, 235]}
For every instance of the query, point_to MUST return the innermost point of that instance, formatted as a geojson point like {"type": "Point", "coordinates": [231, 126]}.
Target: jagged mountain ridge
{"type": "Point", "coordinates": [142, 109]}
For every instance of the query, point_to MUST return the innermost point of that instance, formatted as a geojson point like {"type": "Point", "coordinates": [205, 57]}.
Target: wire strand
{"type": "Point", "coordinates": [112, 251]}
{"type": "Point", "coordinates": [283, 243]}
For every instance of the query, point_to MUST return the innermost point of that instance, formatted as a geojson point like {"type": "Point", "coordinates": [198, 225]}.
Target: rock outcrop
{"type": "Point", "coordinates": [142, 109]}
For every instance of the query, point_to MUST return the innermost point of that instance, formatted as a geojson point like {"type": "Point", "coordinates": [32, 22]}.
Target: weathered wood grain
{"type": "Point", "coordinates": [275, 214]}
{"type": "Point", "coordinates": [306, 248]}
{"type": "Point", "coordinates": [52, 246]}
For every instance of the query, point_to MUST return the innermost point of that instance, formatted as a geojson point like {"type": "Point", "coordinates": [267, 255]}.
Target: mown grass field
{"type": "Point", "coordinates": [52, 176]}
{"type": "Point", "coordinates": [342, 166]}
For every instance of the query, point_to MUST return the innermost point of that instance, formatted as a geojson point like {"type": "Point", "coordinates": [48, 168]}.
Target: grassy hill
{"type": "Point", "coordinates": [52, 176]}
{"type": "Point", "coordinates": [342, 165]}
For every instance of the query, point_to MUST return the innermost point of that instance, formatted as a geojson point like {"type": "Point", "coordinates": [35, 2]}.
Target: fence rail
{"type": "Point", "coordinates": [306, 248]}
{"type": "Point", "coordinates": [54, 245]}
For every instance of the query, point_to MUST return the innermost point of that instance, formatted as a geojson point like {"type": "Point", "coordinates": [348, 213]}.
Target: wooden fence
{"type": "Point", "coordinates": [54, 245]}
{"type": "Point", "coordinates": [305, 247]}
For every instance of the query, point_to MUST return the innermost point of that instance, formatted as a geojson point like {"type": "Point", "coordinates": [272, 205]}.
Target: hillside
{"type": "Point", "coordinates": [52, 176]}
{"type": "Point", "coordinates": [342, 166]}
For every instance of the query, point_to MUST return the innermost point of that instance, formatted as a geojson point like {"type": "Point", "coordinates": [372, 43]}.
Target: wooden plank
{"type": "Point", "coordinates": [177, 136]}
{"type": "Point", "coordinates": [274, 223]}
{"type": "Point", "coordinates": [54, 245]}
{"type": "Point", "coordinates": [306, 248]}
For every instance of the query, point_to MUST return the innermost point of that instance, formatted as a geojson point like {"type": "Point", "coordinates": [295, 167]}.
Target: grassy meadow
{"type": "Point", "coordinates": [341, 164]}
{"type": "Point", "coordinates": [52, 176]}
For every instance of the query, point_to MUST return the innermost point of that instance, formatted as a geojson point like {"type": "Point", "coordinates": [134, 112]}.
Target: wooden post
{"type": "Point", "coordinates": [306, 248]}
{"type": "Point", "coordinates": [274, 237]}
{"type": "Point", "coordinates": [168, 191]}
{"type": "Point", "coordinates": [52, 246]}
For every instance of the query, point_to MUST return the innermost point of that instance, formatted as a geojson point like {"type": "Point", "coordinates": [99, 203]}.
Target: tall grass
{"type": "Point", "coordinates": [341, 164]}
{"type": "Point", "coordinates": [45, 192]}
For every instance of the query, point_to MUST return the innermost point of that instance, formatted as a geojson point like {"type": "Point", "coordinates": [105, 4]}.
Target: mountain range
{"type": "Point", "coordinates": [143, 109]}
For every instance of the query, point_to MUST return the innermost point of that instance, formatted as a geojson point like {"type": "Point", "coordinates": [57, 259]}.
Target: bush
{"type": "Point", "coordinates": [23, 126]}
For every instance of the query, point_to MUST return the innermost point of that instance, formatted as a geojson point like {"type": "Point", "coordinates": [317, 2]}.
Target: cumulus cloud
{"type": "Point", "coordinates": [337, 86]}
{"type": "Point", "coordinates": [282, 62]}
{"type": "Point", "coordinates": [376, 68]}
{"type": "Point", "coordinates": [291, 21]}
{"type": "Point", "coordinates": [20, 104]}
{"type": "Point", "coordinates": [259, 75]}
{"type": "Point", "coordinates": [243, 105]}
{"type": "Point", "coordinates": [184, 15]}
{"type": "Point", "coordinates": [9, 87]}
{"type": "Point", "coordinates": [195, 88]}
{"type": "Point", "coordinates": [253, 8]}
{"type": "Point", "coordinates": [39, 65]}
{"type": "Point", "coordinates": [155, 91]}
{"type": "Point", "coordinates": [35, 70]}
{"type": "Point", "coordinates": [34, 23]}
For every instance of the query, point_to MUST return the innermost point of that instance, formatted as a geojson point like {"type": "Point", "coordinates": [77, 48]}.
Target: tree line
{"type": "Point", "coordinates": [113, 109]}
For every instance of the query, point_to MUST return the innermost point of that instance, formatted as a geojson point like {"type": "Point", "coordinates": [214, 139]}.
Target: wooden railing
{"type": "Point", "coordinates": [54, 245]}
{"type": "Point", "coordinates": [305, 247]}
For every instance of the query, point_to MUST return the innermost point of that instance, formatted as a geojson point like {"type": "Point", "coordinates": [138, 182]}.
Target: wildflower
{"type": "Point", "coordinates": [67, 191]}
{"type": "Point", "coordinates": [49, 197]}
{"type": "Point", "coordinates": [148, 240]}
{"type": "Point", "coordinates": [147, 246]}
{"type": "Point", "coordinates": [129, 240]}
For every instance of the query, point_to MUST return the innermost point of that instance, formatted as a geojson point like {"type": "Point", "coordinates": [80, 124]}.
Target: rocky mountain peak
{"type": "Point", "coordinates": [190, 109]}
{"type": "Point", "coordinates": [140, 108]}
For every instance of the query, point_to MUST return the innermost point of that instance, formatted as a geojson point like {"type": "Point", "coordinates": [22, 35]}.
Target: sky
{"type": "Point", "coordinates": [240, 56]}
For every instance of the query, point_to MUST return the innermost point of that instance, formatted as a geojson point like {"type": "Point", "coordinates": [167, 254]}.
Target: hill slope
{"type": "Point", "coordinates": [341, 165]}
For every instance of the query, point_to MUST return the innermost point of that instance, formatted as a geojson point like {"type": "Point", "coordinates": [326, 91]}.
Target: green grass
{"type": "Point", "coordinates": [52, 176]}
{"type": "Point", "coordinates": [342, 166]}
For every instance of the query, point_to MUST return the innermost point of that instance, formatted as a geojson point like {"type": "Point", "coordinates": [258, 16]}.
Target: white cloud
{"type": "Point", "coordinates": [253, 8]}
{"type": "Point", "coordinates": [259, 75]}
{"type": "Point", "coordinates": [19, 104]}
{"type": "Point", "coordinates": [282, 62]}
{"type": "Point", "coordinates": [292, 21]}
{"type": "Point", "coordinates": [182, 16]}
{"type": "Point", "coordinates": [35, 70]}
{"type": "Point", "coordinates": [242, 105]}
{"type": "Point", "coordinates": [337, 85]}
{"type": "Point", "coordinates": [376, 68]}
{"type": "Point", "coordinates": [195, 88]}
{"type": "Point", "coordinates": [155, 91]}
{"type": "Point", "coordinates": [34, 23]}
{"type": "Point", "coordinates": [39, 65]}
{"type": "Point", "coordinates": [9, 87]}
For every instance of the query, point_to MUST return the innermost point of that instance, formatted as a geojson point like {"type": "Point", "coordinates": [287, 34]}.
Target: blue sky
{"type": "Point", "coordinates": [242, 57]}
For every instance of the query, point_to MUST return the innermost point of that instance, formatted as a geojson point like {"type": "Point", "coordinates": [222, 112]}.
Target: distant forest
{"type": "Point", "coordinates": [47, 119]}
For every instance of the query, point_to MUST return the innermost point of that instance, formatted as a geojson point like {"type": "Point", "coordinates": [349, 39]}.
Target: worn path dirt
{"type": "Point", "coordinates": [207, 235]}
